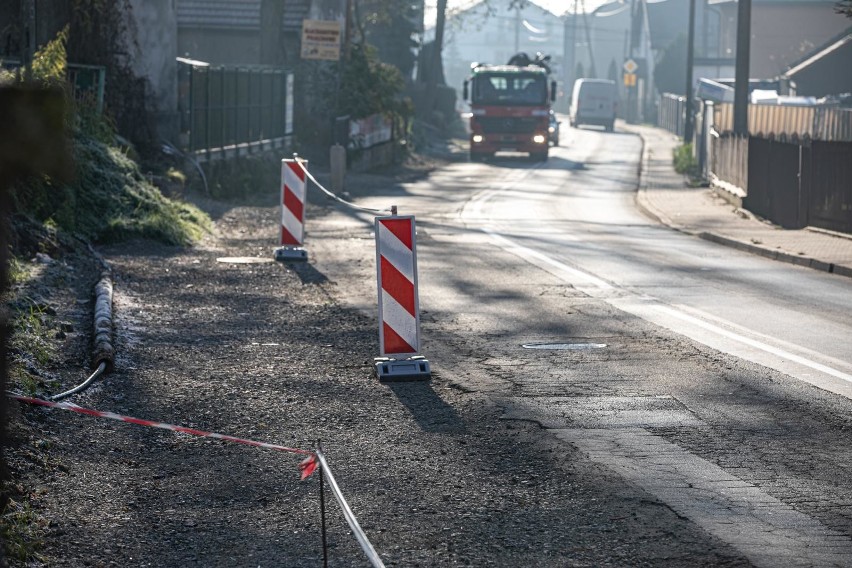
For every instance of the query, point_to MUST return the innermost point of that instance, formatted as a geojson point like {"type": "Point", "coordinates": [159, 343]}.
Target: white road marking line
{"type": "Point", "coordinates": [545, 261]}
{"type": "Point", "coordinates": [766, 530]}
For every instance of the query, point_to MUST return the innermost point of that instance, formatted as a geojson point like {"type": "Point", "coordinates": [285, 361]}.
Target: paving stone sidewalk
{"type": "Point", "coordinates": [665, 195]}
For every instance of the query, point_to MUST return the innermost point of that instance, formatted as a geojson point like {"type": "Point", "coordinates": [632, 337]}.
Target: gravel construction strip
{"type": "Point", "coordinates": [263, 350]}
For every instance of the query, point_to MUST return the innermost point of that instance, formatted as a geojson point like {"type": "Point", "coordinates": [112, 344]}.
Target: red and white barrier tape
{"type": "Point", "coordinates": [307, 466]}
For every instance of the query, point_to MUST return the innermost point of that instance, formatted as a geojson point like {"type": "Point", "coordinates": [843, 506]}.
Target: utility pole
{"type": "Point", "coordinates": [517, 29]}
{"type": "Point", "coordinates": [594, 72]}
{"type": "Point", "coordinates": [569, 49]}
{"type": "Point", "coordinates": [741, 87]}
{"type": "Point", "coordinates": [690, 58]}
{"type": "Point", "coordinates": [630, 115]}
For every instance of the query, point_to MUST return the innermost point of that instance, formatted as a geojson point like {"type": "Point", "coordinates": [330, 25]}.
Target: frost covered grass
{"type": "Point", "coordinates": [109, 200]}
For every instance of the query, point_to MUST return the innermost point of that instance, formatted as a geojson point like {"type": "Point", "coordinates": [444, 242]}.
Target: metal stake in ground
{"type": "Point", "coordinates": [399, 312]}
{"type": "Point", "coordinates": [293, 193]}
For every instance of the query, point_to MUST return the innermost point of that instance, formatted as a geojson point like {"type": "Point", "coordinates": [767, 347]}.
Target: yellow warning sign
{"type": "Point", "coordinates": [321, 40]}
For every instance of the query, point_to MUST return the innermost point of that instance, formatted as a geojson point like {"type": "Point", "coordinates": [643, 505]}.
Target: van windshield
{"type": "Point", "coordinates": [597, 90]}
{"type": "Point", "coordinates": [509, 89]}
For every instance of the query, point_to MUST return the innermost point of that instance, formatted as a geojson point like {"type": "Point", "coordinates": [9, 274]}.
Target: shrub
{"type": "Point", "coordinates": [685, 162]}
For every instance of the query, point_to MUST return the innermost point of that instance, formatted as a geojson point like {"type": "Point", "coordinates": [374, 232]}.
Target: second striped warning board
{"type": "Point", "coordinates": [399, 311]}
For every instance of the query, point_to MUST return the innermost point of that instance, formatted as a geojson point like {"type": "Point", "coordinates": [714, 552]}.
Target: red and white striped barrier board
{"type": "Point", "coordinates": [292, 203]}
{"type": "Point", "coordinates": [293, 195]}
{"type": "Point", "coordinates": [399, 312]}
{"type": "Point", "coordinates": [307, 466]}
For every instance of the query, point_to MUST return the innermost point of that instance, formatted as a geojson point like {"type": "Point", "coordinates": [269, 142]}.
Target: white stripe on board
{"type": "Point", "coordinates": [395, 251]}
{"type": "Point", "coordinates": [292, 181]}
{"type": "Point", "coordinates": [398, 318]}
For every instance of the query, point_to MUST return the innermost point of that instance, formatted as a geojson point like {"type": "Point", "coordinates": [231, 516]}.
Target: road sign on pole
{"type": "Point", "coordinates": [630, 66]}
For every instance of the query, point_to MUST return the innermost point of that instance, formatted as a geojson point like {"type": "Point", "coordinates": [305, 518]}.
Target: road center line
{"type": "Point", "coordinates": [645, 307]}
{"type": "Point", "coordinates": [641, 306]}
{"type": "Point", "coordinates": [532, 255]}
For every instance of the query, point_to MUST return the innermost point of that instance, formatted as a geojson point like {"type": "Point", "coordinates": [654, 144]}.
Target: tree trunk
{"type": "Point", "coordinates": [436, 73]}
{"type": "Point", "coordinates": [271, 20]}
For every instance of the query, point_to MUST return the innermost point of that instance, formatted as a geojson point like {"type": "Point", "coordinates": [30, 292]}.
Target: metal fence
{"type": "Point", "coordinates": [233, 108]}
{"type": "Point", "coordinates": [87, 82]}
{"type": "Point", "coordinates": [831, 124]}
{"type": "Point", "coordinates": [827, 179]}
{"type": "Point", "coordinates": [671, 114]}
{"type": "Point", "coordinates": [793, 184]}
{"type": "Point", "coordinates": [728, 162]}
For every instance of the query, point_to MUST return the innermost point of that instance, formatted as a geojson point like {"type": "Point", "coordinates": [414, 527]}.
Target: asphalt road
{"type": "Point", "coordinates": [716, 381]}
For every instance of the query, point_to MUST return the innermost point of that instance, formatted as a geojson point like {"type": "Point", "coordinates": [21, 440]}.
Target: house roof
{"type": "Point", "coordinates": [838, 42]}
{"type": "Point", "coordinates": [775, 1]}
{"type": "Point", "coordinates": [236, 14]}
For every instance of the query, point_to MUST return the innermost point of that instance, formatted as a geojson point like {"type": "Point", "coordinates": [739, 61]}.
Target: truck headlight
{"type": "Point", "coordinates": [538, 139]}
{"type": "Point", "coordinates": [477, 138]}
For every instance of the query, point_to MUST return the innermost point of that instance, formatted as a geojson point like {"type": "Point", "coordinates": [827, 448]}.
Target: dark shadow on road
{"type": "Point", "coordinates": [520, 161]}
{"type": "Point", "coordinates": [307, 273]}
{"type": "Point", "coordinates": [429, 410]}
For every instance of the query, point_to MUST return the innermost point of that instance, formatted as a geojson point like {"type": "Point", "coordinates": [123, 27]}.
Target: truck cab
{"type": "Point", "coordinates": [510, 110]}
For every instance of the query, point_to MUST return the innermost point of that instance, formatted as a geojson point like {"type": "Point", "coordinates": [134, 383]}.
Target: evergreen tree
{"type": "Point", "coordinates": [670, 71]}
{"type": "Point", "coordinates": [389, 26]}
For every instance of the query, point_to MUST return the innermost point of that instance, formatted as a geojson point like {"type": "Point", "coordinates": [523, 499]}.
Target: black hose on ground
{"type": "Point", "coordinates": [103, 353]}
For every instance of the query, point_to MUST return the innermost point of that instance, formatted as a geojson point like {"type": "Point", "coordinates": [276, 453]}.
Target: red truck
{"type": "Point", "coordinates": [510, 107]}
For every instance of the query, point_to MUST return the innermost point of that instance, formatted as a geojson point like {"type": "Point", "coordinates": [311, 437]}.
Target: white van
{"type": "Point", "coordinates": [594, 101]}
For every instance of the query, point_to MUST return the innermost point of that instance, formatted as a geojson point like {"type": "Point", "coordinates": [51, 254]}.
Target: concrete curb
{"type": "Point", "coordinates": [651, 211]}
{"type": "Point", "coordinates": [798, 260]}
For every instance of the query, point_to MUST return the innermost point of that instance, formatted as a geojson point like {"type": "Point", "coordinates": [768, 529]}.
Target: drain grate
{"type": "Point", "coordinates": [568, 346]}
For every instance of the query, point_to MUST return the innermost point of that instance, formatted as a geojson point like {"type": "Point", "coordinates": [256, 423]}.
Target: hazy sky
{"type": "Point", "coordinates": [558, 7]}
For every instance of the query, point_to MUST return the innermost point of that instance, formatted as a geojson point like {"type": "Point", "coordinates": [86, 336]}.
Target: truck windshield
{"type": "Point", "coordinates": [509, 89]}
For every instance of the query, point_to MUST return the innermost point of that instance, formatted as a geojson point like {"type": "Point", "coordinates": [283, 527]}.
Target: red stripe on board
{"type": "Point", "coordinates": [394, 343]}
{"type": "Point", "coordinates": [398, 286]}
{"type": "Point", "coordinates": [292, 203]}
{"type": "Point", "coordinates": [287, 238]}
{"type": "Point", "coordinates": [297, 169]}
{"type": "Point", "coordinates": [401, 228]}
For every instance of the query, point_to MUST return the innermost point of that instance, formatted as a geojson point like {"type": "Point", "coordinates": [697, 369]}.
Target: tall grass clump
{"type": "Point", "coordinates": [108, 199]}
